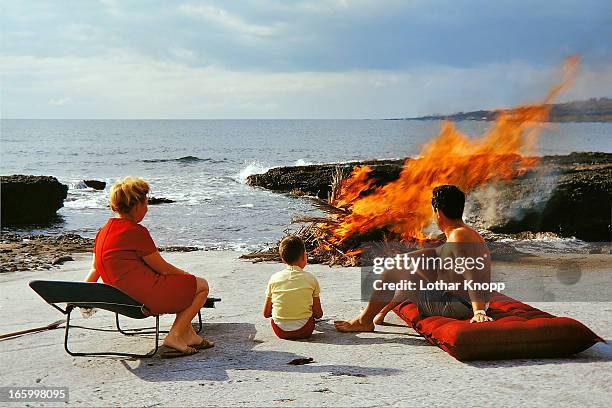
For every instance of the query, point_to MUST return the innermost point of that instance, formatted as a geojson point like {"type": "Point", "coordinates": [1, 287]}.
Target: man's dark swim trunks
{"type": "Point", "coordinates": [443, 303]}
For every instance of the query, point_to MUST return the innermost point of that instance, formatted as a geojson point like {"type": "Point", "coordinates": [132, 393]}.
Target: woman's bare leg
{"type": "Point", "coordinates": [181, 335]}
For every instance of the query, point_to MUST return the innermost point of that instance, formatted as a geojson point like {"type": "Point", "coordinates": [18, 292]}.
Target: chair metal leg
{"type": "Point", "coordinates": [199, 322]}
{"type": "Point", "coordinates": [78, 354]}
{"type": "Point", "coordinates": [146, 330]}
{"type": "Point", "coordinates": [140, 330]}
{"type": "Point", "coordinates": [127, 332]}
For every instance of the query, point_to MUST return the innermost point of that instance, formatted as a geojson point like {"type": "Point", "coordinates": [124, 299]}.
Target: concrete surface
{"type": "Point", "coordinates": [248, 366]}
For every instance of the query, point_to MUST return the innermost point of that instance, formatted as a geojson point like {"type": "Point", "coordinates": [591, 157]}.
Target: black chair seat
{"type": "Point", "coordinates": [89, 295]}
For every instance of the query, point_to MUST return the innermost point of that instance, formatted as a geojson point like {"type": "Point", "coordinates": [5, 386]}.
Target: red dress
{"type": "Point", "coordinates": [119, 248]}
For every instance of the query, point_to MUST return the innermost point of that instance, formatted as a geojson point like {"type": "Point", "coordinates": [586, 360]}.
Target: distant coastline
{"type": "Point", "coordinates": [591, 110]}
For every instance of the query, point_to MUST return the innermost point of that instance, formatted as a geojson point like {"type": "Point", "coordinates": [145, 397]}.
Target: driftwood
{"type": "Point", "coordinates": [320, 251]}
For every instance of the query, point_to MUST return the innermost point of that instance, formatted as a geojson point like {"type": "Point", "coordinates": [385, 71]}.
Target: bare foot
{"type": "Point", "coordinates": [192, 338]}
{"type": "Point", "coordinates": [177, 343]}
{"type": "Point", "coordinates": [354, 325]}
{"type": "Point", "coordinates": [380, 319]}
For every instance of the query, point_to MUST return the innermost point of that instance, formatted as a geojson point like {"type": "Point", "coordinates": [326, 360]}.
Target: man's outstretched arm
{"type": "Point", "coordinates": [477, 270]}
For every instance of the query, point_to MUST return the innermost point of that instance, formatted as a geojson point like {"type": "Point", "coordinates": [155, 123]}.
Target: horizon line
{"type": "Point", "coordinates": [363, 118]}
{"type": "Point", "coordinates": [198, 118]}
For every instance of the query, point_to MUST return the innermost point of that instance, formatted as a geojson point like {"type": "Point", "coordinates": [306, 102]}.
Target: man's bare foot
{"type": "Point", "coordinates": [380, 319]}
{"type": "Point", "coordinates": [176, 342]}
{"type": "Point", "coordinates": [354, 325]}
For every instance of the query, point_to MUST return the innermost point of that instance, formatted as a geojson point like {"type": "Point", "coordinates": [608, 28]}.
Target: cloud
{"type": "Point", "coordinates": [294, 58]}
{"type": "Point", "coordinates": [123, 85]}
{"type": "Point", "coordinates": [325, 35]}
{"type": "Point", "coordinates": [321, 7]}
{"type": "Point", "coordinates": [229, 21]}
{"type": "Point", "coordinates": [60, 101]}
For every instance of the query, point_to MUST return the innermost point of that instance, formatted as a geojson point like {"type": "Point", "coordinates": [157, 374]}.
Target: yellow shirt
{"type": "Point", "coordinates": [291, 291]}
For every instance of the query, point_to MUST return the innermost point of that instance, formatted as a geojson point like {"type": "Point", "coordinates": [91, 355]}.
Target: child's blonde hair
{"type": "Point", "coordinates": [126, 193]}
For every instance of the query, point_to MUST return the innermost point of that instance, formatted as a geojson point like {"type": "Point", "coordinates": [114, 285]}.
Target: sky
{"type": "Point", "coordinates": [284, 59]}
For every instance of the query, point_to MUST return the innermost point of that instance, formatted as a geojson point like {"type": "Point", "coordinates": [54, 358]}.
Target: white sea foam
{"type": "Point", "coordinates": [254, 167]}
{"type": "Point", "coordinates": [258, 167]}
{"type": "Point", "coordinates": [82, 201]}
{"type": "Point", "coordinates": [545, 242]}
{"type": "Point", "coordinates": [78, 185]}
{"type": "Point", "coordinates": [191, 198]}
{"type": "Point", "coordinates": [302, 162]}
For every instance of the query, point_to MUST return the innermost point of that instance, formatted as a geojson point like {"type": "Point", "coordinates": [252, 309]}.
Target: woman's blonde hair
{"type": "Point", "coordinates": [126, 193]}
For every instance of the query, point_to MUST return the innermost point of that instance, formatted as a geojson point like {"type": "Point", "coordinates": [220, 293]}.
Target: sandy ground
{"type": "Point", "coordinates": [392, 366]}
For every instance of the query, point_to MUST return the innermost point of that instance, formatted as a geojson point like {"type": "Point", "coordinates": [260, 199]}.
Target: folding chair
{"type": "Point", "coordinates": [102, 296]}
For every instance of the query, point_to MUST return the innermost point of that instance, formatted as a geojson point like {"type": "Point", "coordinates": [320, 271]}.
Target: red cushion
{"type": "Point", "coordinates": [519, 331]}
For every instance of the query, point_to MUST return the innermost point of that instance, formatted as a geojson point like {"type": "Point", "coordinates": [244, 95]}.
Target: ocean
{"type": "Point", "coordinates": [203, 165]}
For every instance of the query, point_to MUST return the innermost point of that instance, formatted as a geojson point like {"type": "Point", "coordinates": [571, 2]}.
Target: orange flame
{"type": "Point", "coordinates": [403, 206]}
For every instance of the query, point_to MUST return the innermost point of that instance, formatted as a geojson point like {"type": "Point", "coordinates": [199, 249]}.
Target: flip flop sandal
{"type": "Point", "coordinates": [205, 344]}
{"type": "Point", "coordinates": [173, 353]}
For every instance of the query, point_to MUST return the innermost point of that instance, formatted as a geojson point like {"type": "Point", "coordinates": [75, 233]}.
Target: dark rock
{"type": "Point", "coordinates": [30, 199]}
{"type": "Point", "coordinates": [315, 180]}
{"type": "Point", "coordinates": [179, 248]}
{"type": "Point", "coordinates": [95, 184]}
{"type": "Point", "coordinates": [579, 205]}
{"type": "Point", "coordinates": [160, 200]}
{"type": "Point", "coordinates": [61, 259]}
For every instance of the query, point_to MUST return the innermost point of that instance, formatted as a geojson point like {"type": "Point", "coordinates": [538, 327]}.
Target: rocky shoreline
{"type": "Point", "coordinates": [35, 200]}
{"type": "Point", "coordinates": [29, 201]}
{"type": "Point", "coordinates": [39, 252]}
{"type": "Point", "coordinates": [568, 195]}
{"type": "Point", "coordinates": [46, 252]}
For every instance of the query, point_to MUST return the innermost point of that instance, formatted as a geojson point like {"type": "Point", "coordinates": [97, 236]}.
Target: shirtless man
{"type": "Point", "coordinates": [462, 242]}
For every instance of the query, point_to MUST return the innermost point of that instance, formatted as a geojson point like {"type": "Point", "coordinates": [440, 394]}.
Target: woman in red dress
{"type": "Point", "coordinates": [126, 257]}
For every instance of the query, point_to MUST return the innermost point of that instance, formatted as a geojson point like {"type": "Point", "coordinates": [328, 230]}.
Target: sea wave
{"type": "Point", "coordinates": [186, 159]}
{"type": "Point", "coordinates": [85, 201]}
{"type": "Point", "coordinates": [80, 196]}
{"type": "Point", "coordinates": [78, 185]}
{"type": "Point", "coordinates": [254, 167]}
{"type": "Point", "coordinates": [258, 167]}
{"type": "Point", "coordinates": [302, 162]}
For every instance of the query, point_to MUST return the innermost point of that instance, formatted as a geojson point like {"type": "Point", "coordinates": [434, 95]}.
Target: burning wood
{"type": "Point", "coordinates": [315, 234]}
{"type": "Point", "coordinates": [361, 211]}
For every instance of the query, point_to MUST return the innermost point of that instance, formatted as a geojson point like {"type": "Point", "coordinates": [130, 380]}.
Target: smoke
{"type": "Point", "coordinates": [517, 203]}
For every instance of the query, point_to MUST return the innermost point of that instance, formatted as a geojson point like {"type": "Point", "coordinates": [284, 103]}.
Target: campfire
{"type": "Point", "coordinates": [359, 211]}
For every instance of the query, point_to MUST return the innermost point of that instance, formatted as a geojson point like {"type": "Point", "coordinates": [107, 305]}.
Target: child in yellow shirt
{"type": "Point", "coordinates": [292, 296]}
